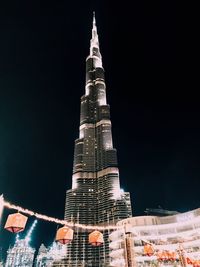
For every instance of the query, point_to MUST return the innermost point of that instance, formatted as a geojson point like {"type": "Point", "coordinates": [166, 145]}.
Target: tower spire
{"type": "Point", "coordinates": [94, 42]}
{"type": "Point", "coordinates": [94, 20]}
{"type": "Point", "coordinates": [94, 31]}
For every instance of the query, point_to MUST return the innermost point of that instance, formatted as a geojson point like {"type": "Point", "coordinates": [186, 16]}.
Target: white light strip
{"type": "Point", "coordinates": [180, 234]}
{"type": "Point", "coordinates": [167, 225]}
{"type": "Point", "coordinates": [58, 221]}
{"type": "Point", "coordinates": [103, 122]}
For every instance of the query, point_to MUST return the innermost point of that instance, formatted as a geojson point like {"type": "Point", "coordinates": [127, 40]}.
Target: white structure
{"type": "Point", "coordinates": [48, 256]}
{"type": "Point", "coordinates": [20, 255]}
{"type": "Point", "coordinates": [165, 233]}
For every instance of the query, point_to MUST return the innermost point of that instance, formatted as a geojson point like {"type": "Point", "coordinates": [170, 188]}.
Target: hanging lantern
{"type": "Point", "coordinates": [96, 238]}
{"type": "Point", "coordinates": [16, 222]}
{"type": "Point", "coordinates": [196, 263]}
{"type": "Point", "coordinates": [64, 235]}
{"type": "Point", "coordinates": [162, 256]}
{"type": "Point", "coordinates": [159, 255]}
{"type": "Point", "coordinates": [172, 256]}
{"type": "Point", "coordinates": [165, 255]}
{"type": "Point", "coordinates": [189, 261]}
{"type": "Point", "coordinates": [148, 250]}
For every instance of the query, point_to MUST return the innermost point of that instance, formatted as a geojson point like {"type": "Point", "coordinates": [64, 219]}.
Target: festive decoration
{"type": "Point", "coordinates": [16, 222]}
{"type": "Point", "coordinates": [172, 256]}
{"type": "Point", "coordinates": [161, 256]}
{"type": "Point", "coordinates": [96, 238]}
{"type": "Point", "coordinates": [148, 250]}
{"type": "Point", "coordinates": [58, 221]}
{"type": "Point", "coordinates": [64, 235]}
{"type": "Point", "coordinates": [166, 255]}
{"type": "Point", "coordinates": [196, 263]}
{"type": "Point", "coordinates": [189, 261]}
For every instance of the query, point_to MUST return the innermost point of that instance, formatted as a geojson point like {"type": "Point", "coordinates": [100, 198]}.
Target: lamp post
{"type": "Point", "coordinates": [129, 246]}
{"type": "Point", "coordinates": [181, 255]}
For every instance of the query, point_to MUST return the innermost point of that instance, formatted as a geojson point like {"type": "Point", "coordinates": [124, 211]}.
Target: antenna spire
{"type": "Point", "coordinates": [94, 42]}
{"type": "Point", "coordinates": [94, 20]}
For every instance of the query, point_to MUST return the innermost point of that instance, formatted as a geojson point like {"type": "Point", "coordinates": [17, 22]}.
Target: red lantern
{"type": "Point", "coordinates": [148, 250]}
{"type": "Point", "coordinates": [172, 256]}
{"type": "Point", "coordinates": [163, 256]}
{"type": "Point", "coordinates": [64, 235]}
{"type": "Point", "coordinates": [159, 255]}
{"type": "Point", "coordinates": [96, 238]}
{"type": "Point", "coordinates": [196, 263]}
{"type": "Point", "coordinates": [16, 222]}
{"type": "Point", "coordinates": [189, 261]}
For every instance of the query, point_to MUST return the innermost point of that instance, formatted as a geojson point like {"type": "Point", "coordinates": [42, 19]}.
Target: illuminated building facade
{"type": "Point", "coordinates": [20, 255]}
{"type": "Point", "coordinates": [166, 234]}
{"type": "Point", "coordinates": [95, 197]}
{"type": "Point", "coordinates": [48, 257]}
{"type": "Point", "coordinates": [42, 259]}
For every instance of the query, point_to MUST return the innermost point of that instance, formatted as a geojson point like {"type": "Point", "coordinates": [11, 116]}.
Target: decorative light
{"type": "Point", "coordinates": [16, 222]}
{"type": "Point", "coordinates": [28, 236]}
{"type": "Point", "coordinates": [96, 238]}
{"type": "Point", "coordinates": [58, 221]}
{"type": "Point", "coordinates": [64, 235]}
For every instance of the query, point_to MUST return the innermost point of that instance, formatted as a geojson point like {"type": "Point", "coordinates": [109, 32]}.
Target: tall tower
{"type": "Point", "coordinates": [95, 197]}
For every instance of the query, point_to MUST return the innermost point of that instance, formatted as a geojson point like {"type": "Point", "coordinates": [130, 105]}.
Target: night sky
{"type": "Point", "coordinates": [156, 126]}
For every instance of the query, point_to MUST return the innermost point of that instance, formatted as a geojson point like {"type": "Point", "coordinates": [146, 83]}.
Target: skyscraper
{"type": "Point", "coordinates": [95, 197]}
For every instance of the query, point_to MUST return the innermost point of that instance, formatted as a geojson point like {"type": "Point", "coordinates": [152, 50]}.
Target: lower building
{"type": "Point", "coordinates": [20, 255]}
{"type": "Point", "coordinates": [174, 241]}
{"type": "Point", "coordinates": [48, 257]}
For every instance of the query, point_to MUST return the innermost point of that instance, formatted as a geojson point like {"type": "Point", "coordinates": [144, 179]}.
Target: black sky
{"type": "Point", "coordinates": [156, 129]}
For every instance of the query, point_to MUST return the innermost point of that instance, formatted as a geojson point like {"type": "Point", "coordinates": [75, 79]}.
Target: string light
{"type": "Point", "coordinates": [28, 236]}
{"type": "Point", "coordinates": [58, 221]}
{"type": "Point", "coordinates": [65, 222]}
